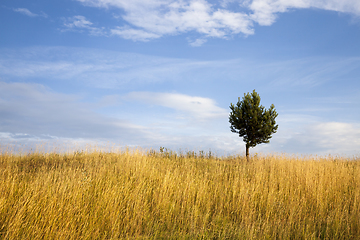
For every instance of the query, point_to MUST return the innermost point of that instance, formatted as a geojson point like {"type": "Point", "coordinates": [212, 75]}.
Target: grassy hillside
{"type": "Point", "coordinates": [165, 196]}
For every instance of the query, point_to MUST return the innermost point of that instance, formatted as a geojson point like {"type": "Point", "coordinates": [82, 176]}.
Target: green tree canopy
{"type": "Point", "coordinates": [252, 121]}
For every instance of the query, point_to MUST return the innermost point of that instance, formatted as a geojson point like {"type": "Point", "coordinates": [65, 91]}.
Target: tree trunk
{"type": "Point", "coordinates": [247, 152]}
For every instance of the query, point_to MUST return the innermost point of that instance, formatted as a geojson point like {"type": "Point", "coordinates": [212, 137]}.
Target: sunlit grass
{"type": "Point", "coordinates": [152, 195]}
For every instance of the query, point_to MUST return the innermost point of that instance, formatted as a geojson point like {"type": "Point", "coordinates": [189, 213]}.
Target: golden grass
{"type": "Point", "coordinates": [134, 195]}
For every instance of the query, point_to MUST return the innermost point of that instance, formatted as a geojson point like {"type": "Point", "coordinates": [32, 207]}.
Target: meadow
{"type": "Point", "coordinates": [164, 195]}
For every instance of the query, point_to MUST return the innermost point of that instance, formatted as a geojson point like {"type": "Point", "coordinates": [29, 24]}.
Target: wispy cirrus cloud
{"type": "Point", "coordinates": [77, 22]}
{"type": "Point", "coordinates": [134, 34]}
{"type": "Point", "coordinates": [80, 23]}
{"type": "Point", "coordinates": [112, 70]}
{"type": "Point", "coordinates": [28, 13]}
{"type": "Point", "coordinates": [198, 107]}
{"type": "Point", "coordinates": [154, 18]}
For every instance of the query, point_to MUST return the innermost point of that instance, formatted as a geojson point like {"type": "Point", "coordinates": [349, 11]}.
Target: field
{"type": "Point", "coordinates": [163, 195]}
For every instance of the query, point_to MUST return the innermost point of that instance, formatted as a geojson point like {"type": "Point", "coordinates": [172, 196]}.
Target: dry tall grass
{"type": "Point", "coordinates": [138, 195]}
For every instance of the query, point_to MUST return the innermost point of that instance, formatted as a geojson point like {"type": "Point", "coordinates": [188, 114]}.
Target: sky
{"type": "Point", "coordinates": [163, 73]}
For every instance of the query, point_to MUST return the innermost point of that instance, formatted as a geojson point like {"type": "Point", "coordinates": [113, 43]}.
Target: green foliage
{"type": "Point", "coordinates": [252, 121]}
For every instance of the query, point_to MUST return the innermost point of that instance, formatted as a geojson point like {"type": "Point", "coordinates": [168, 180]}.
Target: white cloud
{"type": "Point", "coordinates": [23, 143]}
{"type": "Point", "coordinates": [336, 136]}
{"type": "Point", "coordinates": [198, 107]}
{"type": "Point", "coordinates": [34, 111]}
{"type": "Point", "coordinates": [27, 12]}
{"type": "Point", "coordinates": [198, 42]}
{"type": "Point", "coordinates": [33, 115]}
{"type": "Point", "coordinates": [155, 18]}
{"type": "Point", "coordinates": [134, 34]}
{"type": "Point", "coordinates": [264, 11]}
{"type": "Point", "coordinates": [76, 23]}
{"type": "Point", "coordinates": [308, 134]}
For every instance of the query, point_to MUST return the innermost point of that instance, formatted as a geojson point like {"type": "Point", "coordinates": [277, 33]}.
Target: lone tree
{"type": "Point", "coordinates": [252, 122]}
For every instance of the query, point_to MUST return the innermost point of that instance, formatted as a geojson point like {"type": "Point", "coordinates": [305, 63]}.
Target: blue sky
{"type": "Point", "coordinates": [164, 72]}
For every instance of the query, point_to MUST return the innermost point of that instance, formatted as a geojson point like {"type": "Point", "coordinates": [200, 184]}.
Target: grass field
{"type": "Point", "coordinates": [153, 195]}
